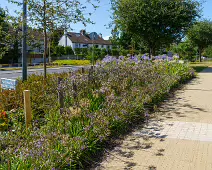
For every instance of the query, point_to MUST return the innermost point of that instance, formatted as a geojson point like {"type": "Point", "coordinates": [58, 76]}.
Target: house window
{"type": "Point", "coordinates": [85, 45]}
{"type": "Point", "coordinates": [96, 46]}
{"type": "Point", "coordinates": [102, 46]}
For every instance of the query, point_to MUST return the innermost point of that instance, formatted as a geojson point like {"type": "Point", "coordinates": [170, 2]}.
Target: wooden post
{"type": "Point", "coordinates": [83, 70]}
{"type": "Point", "coordinates": [9, 165]}
{"type": "Point", "coordinates": [27, 108]}
{"type": "Point", "coordinates": [60, 94]}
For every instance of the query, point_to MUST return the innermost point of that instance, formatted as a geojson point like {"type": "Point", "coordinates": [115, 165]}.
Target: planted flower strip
{"type": "Point", "coordinates": [97, 105]}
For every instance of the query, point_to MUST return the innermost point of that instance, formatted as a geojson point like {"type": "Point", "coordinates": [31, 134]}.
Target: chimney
{"type": "Point", "coordinates": [82, 32]}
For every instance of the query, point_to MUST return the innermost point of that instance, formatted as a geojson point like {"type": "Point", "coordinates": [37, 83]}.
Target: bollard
{"type": "Point", "coordinates": [27, 108]}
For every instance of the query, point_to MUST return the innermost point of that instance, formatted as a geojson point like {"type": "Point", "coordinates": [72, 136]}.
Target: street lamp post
{"type": "Point", "coordinates": [24, 45]}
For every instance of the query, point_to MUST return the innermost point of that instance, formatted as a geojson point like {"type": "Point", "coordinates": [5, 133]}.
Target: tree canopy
{"type": "Point", "coordinates": [201, 35]}
{"type": "Point", "coordinates": [208, 52]}
{"type": "Point", "coordinates": [156, 22]}
{"type": "Point", "coordinates": [185, 49]}
{"type": "Point", "coordinates": [50, 14]}
{"type": "Point", "coordinates": [4, 28]}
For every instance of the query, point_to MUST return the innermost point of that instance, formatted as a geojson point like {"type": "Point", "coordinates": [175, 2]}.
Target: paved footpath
{"type": "Point", "coordinates": [179, 137]}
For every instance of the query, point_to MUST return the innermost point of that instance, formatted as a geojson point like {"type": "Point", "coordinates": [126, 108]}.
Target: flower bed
{"type": "Point", "coordinates": [98, 104]}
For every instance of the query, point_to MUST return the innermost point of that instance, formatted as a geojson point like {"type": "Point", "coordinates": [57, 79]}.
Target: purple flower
{"type": "Point", "coordinates": [157, 57]}
{"type": "Point", "coordinates": [121, 57]}
{"type": "Point", "coordinates": [170, 58]}
{"type": "Point", "coordinates": [164, 56]}
{"type": "Point", "coordinates": [145, 57]}
{"type": "Point", "coordinates": [134, 59]}
{"type": "Point", "coordinates": [108, 59]}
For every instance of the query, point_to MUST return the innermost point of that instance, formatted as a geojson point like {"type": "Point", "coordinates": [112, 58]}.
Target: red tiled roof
{"type": "Point", "coordinates": [85, 39]}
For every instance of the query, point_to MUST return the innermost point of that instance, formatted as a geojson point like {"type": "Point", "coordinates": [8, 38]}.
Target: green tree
{"type": "Point", "coordinates": [126, 40]}
{"type": "Point", "coordinates": [103, 53]}
{"type": "Point", "coordinates": [50, 14]}
{"type": "Point", "coordinates": [94, 54]}
{"type": "Point", "coordinates": [59, 51]}
{"type": "Point", "coordinates": [115, 52]}
{"type": "Point", "coordinates": [186, 50]}
{"type": "Point", "coordinates": [12, 54]}
{"type": "Point", "coordinates": [208, 52]}
{"type": "Point", "coordinates": [4, 36]}
{"type": "Point", "coordinates": [156, 22]}
{"type": "Point", "coordinates": [55, 36]}
{"type": "Point", "coordinates": [201, 35]}
{"type": "Point", "coordinates": [68, 50]}
{"type": "Point", "coordinates": [77, 51]}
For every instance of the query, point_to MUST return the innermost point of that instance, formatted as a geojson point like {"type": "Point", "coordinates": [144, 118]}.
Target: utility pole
{"type": "Point", "coordinates": [24, 45]}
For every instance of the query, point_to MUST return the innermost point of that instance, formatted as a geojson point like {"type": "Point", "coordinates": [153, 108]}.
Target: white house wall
{"type": "Point", "coordinates": [80, 45]}
{"type": "Point", "coordinates": [63, 40]}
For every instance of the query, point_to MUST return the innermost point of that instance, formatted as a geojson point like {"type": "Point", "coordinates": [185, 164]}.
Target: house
{"type": "Point", "coordinates": [84, 40]}
{"type": "Point", "coordinates": [35, 47]}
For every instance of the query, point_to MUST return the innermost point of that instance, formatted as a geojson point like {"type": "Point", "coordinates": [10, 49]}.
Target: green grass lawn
{"type": "Point", "coordinates": [198, 67]}
{"type": "Point", "coordinates": [72, 62]}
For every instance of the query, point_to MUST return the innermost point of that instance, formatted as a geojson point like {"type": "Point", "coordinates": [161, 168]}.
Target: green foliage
{"type": "Point", "coordinates": [59, 51]}
{"type": "Point", "coordinates": [208, 52]}
{"type": "Point", "coordinates": [115, 52]}
{"type": "Point", "coordinates": [81, 52]}
{"type": "Point", "coordinates": [48, 15]}
{"type": "Point", "coordinates": [200, 35]}
{"type": "Point", "coordinates": [4, 37]}
{"type": "Point", "coordinates": [156, 22]}
{"type": "Point", "coordinates": [124, 52]}
{"type": "Point", "coordinates": [95, 54]}
{"type": "Point", "coordinates": [186, 50]}
{"type": "Point", "coordinates": [68, 50]}
{"type": "Point", "coordinates": [55, 36]}
{"type": "Point", "coordinates": [77, 51]}
{"type": "Point", "coordinates": [103, 53]}
{"type": "Point", "coordinates": [72, 62]}
{"type": "Point", "coordinates": [12, 55]}
{"type": "Point", "coordinates": [97, 108]}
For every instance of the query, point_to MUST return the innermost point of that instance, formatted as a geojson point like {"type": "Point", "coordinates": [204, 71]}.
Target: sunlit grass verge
{"type": "Point", "coordinates": [72, 62]}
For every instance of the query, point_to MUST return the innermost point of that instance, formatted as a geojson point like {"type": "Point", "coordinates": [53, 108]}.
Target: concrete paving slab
{"type": "Point", "coordinates": [178, 138]}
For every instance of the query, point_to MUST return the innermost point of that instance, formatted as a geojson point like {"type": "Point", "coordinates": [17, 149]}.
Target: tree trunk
{"type": "Point", "coordinates": [150, 53]}
{"type": "Point", "coordinates": [200, 55]}
{"type": "Point", "coordinates": [153, 51]}
{"type": "Point", "coordinates": [45, 38]}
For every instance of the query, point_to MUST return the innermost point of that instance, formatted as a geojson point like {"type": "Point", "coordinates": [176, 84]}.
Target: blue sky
{"type": "Point", "coordinates": [101, 16]}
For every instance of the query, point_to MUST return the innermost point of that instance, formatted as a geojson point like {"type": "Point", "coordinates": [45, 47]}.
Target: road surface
{"type": "Point", "coordinates": [14, 74]}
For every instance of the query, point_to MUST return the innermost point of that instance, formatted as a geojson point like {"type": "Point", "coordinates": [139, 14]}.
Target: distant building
{"type": "Point", "coordinates": [84, 40]}
{"type": "Point", "coordinates": [35, 47]}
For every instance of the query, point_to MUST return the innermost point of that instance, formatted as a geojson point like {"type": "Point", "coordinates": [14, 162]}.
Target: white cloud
{"type": "Point", "coordinates": [106, 37]}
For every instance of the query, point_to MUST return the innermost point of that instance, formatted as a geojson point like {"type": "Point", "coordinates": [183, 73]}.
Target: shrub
{"type": "Point", "coordinates": [115, 52]}
{"type": "Point", "coordinates": [68, 50]}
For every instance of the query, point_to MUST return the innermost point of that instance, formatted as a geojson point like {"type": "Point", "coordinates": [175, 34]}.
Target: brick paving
{"type": "Point", "coordinates": [179, 137]}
